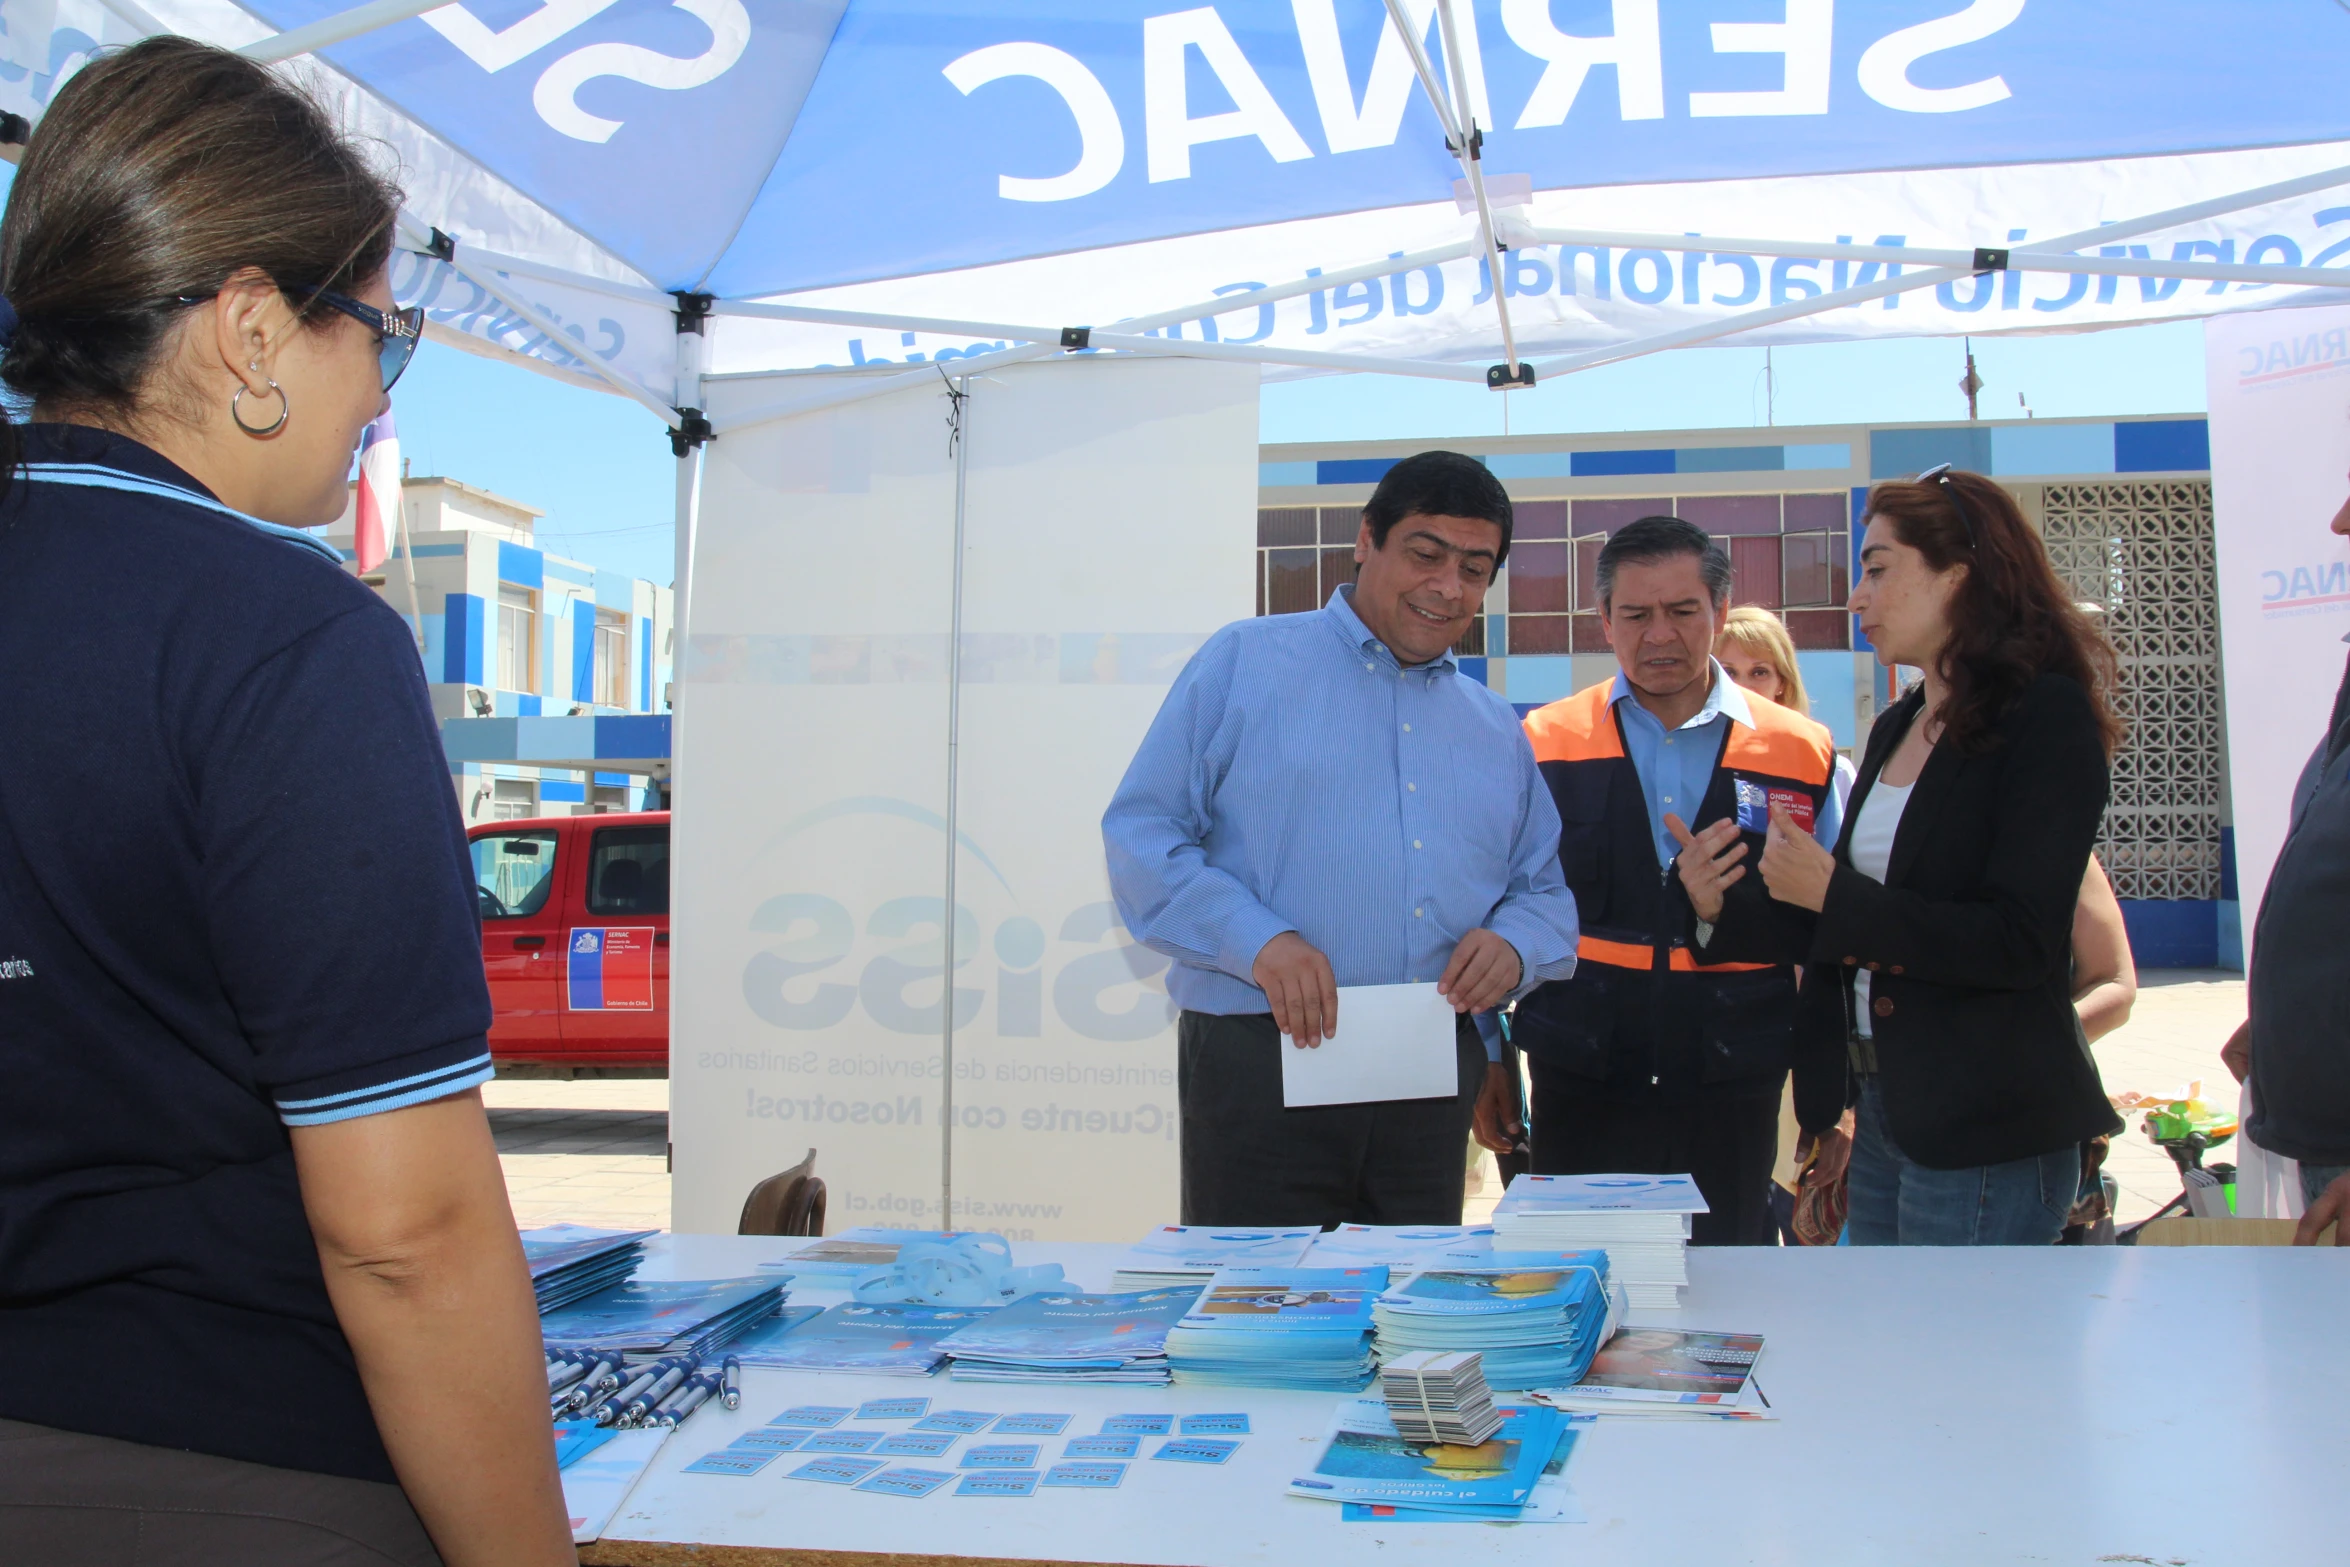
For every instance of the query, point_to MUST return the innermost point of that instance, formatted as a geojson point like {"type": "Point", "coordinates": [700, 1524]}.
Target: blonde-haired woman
{"type": "Point", "coordinates": [1756, 650]}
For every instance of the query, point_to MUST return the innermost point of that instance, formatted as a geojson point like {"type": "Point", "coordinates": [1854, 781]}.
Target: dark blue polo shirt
{"type": "Point", "coordinates": [234, 897]}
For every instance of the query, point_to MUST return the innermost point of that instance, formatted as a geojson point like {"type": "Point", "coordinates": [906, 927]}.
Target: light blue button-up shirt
{"type": "Point", "coordinates": [1676, 766]}
{"type": "Point", "coordinates": [1299, 778]}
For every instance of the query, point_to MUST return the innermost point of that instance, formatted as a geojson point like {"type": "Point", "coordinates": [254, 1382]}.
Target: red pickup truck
{"type": "Point", "coordinates": [575, 938]}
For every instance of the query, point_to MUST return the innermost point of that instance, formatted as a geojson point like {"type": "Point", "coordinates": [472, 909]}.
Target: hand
{"type": "Point", "coordinates": [2236, 1054]}
{"type": "Point", "coordinates": [1483, 971]}
{"type": "Point", "coordinates": [1708, 862]}
{"type": "Point", "coordinates": [1824, 1156]}
{"type": "Point", "coordinates": [1297, 980]}
{"type": "Point", "coordinates": [2332, 1207]}
{"type": "Point", "coordinates": [1794, 866]}
{"type": "Point", "coordinates": [1496, 1125]}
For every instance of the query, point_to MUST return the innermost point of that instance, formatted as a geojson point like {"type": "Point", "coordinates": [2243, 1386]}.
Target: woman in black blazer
{"type": "Point", "coordinates": [1942, 960]}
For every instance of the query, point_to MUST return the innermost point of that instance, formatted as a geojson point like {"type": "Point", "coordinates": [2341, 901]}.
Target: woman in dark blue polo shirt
{"type": "Point", "coordinates": [261, 1299]}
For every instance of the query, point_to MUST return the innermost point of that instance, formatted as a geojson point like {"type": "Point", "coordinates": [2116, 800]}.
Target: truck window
{"type": "Point", "coordinates": [628, 871]}
{"type": "Point", "coordinates": [513, 872]}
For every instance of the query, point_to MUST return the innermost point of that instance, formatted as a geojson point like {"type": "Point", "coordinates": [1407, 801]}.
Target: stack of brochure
{"type": "Point", "coordinates": [1179, 1255]}
{"type": "Point", "coordinates": [1397, 1245]}
{"type": "Point", "coordinates": [1435, 1397]}
{"type": "Point", "coordinates": [1670, 1373]}
{"type": "Point", "coordinates": [856, 1251]}
{"type": "Point", "coordinates": [1641, 1220]}
{"type": "Point", "coordinates": [1535, 1318]}
{"type": "Point", "coordinates": [1307, 1328]}
{"type": "Point", "coordinates": [878, 1339]}
{"type": "Point", "coordinates": [570, 1262]}
{"type": "Point", "coordinates": [1377, 1471]}
{"type": "Point", "coordinates": [654, 1320]}
{"type": "Point", "coordinates": [1064, 1336]}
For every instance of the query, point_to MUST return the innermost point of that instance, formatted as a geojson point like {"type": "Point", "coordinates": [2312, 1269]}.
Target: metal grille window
{"type": "Point", "coordinates": [2144, 552]}
{"type": "Point", "coordinates": [1305, 552]}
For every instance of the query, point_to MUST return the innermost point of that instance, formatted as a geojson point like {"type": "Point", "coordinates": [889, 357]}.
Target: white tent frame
{"type": "Point", "coordinates": [681, 412]}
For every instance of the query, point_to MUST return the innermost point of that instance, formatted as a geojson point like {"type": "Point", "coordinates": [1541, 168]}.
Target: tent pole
{"type": "Point", "coordinates": [1428, 369]}
{"type": "Point", "coordinates": [960, 391]}
{"type": "Point", "coordinates": [339, 28]}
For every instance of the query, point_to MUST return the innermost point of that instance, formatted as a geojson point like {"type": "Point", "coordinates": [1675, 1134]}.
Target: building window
{"type": "Point", "coordinates": [518, 639]}
{"type": "Point", "coordinates": [513, 799]}
{"type": "Point", "coordinates": [611, 687]}
{"type": "Point", "coordinates": [1305, 553]}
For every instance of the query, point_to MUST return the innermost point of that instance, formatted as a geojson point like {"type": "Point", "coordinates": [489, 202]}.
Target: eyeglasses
{"type": "Point", "coordinates": [397, 332]}
{"type": "Point", "coordinates": [1940, 474]}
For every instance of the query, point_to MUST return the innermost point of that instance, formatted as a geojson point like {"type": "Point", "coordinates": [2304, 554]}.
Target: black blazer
{"type": "Point", "coordinates": [1968, 942]}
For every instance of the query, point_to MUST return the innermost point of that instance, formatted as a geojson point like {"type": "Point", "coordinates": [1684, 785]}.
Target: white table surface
{"type": "Point", "coordinates": [1963, 1407]}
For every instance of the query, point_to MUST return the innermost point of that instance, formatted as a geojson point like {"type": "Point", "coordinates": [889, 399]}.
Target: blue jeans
{"type": "Point", "coordinates": [1895, 1202]}
{"type": "Point", "coordinates": [2315, 1178]}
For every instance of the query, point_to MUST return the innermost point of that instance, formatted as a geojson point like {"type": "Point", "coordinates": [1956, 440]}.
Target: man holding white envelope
{"type": "Point", "coordinates": [1340, 839]}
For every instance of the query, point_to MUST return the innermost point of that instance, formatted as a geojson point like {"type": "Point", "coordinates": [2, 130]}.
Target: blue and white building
{"type": "Point", "coordinates": [551, 678]}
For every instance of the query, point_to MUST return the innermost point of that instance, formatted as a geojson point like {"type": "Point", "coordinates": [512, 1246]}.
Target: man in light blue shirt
{"type": "Point", "coordinates": [1325, 800]}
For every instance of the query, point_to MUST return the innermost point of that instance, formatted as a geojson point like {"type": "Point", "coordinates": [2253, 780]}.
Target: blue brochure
{"type": "Point", "coordinates": [1280, 1300]}
{"type": "Point", "coordinates": [763, 1338]}
{"type": "Point", "coordinates": [645, 1317]}
{"type": "Point", "coordinates": [1059, 1328]}
{"type": "Point", "coordinates": [1365, 1460]}
{"type": "Point", "coordinates": [882, 1339]}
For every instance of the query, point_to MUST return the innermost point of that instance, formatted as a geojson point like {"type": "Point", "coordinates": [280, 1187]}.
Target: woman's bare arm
{"type": "Point", "coordinates": [2105, 979]}
{"type": "Point", "coordinates": [426, 1273]}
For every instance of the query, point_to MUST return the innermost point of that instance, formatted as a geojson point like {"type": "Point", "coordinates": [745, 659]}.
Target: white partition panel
{"type": "Point", "coordinates": [2280, 448]}
{"type": "Point", "coordinates": [1109, 526]}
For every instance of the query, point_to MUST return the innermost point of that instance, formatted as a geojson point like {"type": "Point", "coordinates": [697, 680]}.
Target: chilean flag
{"type": "Point", "coordinates": [379, 493]}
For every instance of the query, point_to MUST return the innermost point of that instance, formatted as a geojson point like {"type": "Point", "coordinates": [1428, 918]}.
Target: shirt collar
{"type": "Point", "coordinates": [1724, 696]}
{"type": "Point", "coordinates": [1358, 638]}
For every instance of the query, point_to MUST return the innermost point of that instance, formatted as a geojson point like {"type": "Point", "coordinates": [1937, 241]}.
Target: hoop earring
{"type": "Point", "coordinates": [283, 408]}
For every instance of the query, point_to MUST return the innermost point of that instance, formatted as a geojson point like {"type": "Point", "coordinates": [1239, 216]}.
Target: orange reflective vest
{"type": "Point", "coordinates": [1645, 1003]}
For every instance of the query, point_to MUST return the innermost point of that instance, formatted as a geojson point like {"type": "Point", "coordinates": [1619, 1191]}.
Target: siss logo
{"type": "Point", "coordinates": [556, 97]}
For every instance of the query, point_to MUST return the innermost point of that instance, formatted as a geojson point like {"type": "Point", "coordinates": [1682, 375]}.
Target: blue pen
{"type": "Point", "coordinates": [733, 1375]}
{"type": "Point", "coordinates": [564, 1370]}
{"type": "Point", "coordinates": [598, 1384]}
{"type": "Point", "coordinates": [687, 1399]}
{"type": "Point", "coordinates": [634, 1409]}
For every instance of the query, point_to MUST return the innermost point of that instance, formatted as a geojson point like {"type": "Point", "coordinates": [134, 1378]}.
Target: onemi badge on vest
{"type": "Point", "coordinates": [1756, 800]}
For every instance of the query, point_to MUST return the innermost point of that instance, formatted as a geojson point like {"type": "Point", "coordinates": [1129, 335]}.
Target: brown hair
{"type": "Point", "coordinates": [159, 172]}
{"type": "Point", "coordinates": [2012, 619]}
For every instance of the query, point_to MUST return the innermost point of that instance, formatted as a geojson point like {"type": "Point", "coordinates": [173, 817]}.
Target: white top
{"type": "Point", "coordinates": [1872, 852]}
{"type": "Point", "coordinates": [1933, 1473]}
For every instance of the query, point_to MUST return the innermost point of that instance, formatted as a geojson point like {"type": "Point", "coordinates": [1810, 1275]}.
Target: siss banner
{"type": "Point", "coordinates": [1109, 527]}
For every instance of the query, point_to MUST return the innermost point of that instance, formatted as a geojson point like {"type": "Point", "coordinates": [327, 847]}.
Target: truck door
{"type": "Point", "coordinates": [616, 1008]}
{"type": "Point", "coordinates": [514, 875]}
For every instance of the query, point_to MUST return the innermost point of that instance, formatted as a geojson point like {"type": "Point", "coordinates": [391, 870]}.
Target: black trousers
{"type": "Point", "coordinates": [1726, 1139]}
{"type": "Point", "coordinates": [1248, 1160]}
{"type": "Point", "coordinates": [73, 1500]}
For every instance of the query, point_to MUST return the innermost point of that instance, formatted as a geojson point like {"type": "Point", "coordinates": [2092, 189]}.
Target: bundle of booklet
{"type": "Point", "coordinates": [652, 1320]}
{"type": "Point", "coordinates": [1067, 1336]}
{"type": "Point", "coordinates": [1438, 1397]}
{"type": "Point", "coordinates": [1307, 1328]}
{"type": "Point", "coordinates": [1535, 1318]}
{"type": "Point", "coordinates": [1177, 1255]}
{"type": "Point", "coordinates": [1670, 1373]}
{"type": "Point", "coordinates": [1379, 1472]}
{"type": "Point", "coordinates": [878, 1339]}
{"type": "Point", "coordinates": [856, 1251]}
{"type": "Point", "coordinates": [1397, 1245]}
{"type": "Point", "coordinates": [570, 1262]}
{"type": "Point", "coordinates": [1641, 1220]}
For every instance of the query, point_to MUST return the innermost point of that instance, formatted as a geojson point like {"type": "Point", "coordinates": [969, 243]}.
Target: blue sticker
{"type": "Point", "coordinates": [818, 1415]}
{"type": "Point", "coordinates": [1102, 1447]}
{"type": "Point", "coordinates": [1022, 1483]}
{"type": "Point", "coordinates": [1195, 1450]}
{"type": "Point", "coordinates": [1215, 1425]}
{"type": "Point", "coordinates": [772, 1439]}
{"type": "Point", "coordinates": [906, 1482]}
{"type": "Point", "coordinates": [960, 1421]}
{"type": "Point", "coordinates": [1001, 1455]}
{"type": "Point", "coordinates": [837, 1471]}
{"type": "Point", "coordinates": [1138, 1425]}
{"type": "Point", "coordinates": [730, 1461]}
{"type": "Point", "coordinates": [913, 1444]}
{"type": "Point", "coordinates": [1030, 1425]}
{"type": "Point", "coordinates": [1085, 1477]}
{"type": "Point", "coordinates": [842, 1442]}
{"type": "Point", "coordinates": [892, 1408]}
{"type": "Point", "coordinates": [1754, 806]}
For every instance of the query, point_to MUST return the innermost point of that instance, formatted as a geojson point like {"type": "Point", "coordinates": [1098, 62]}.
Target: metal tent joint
{"type": "Point", "coordinates": [1501, 378]}
{"type": "Point", "coordinates": [693, 309]}
{"type": "Point", "coordinates": [15, 130]}
{"type": "Point", "coordinates": [1076, 338]}
{"type": "Point", "coordinates": [441, 247]}
{"type": "Point", "coordinates": [1476, 145]}
{"type": "Point", "coordinates": [1988, 259]}
{"type": "Point", "coordinates": [693, 430]}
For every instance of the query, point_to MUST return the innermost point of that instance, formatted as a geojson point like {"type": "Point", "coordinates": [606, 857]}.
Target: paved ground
{"type": "Point", "coordinates": [597, 1152]}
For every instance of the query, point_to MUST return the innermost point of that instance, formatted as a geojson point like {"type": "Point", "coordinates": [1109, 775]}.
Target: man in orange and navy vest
{"type": "Point", "coordinates": [1664, 1052]}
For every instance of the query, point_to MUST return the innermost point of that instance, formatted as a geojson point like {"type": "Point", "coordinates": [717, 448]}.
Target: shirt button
{"type": "Point", "coordinates": [1415, 843]}
{"type": "Point", "coordinates": [1419, 913]}
{"type": "Point", "coordinates": [1882, 1006]}
{"type": "Point", "coordinates": [1668, 799]}
{"type": "Point", "coordinates": [1407, 729]}
{"type": "Point", "coordinates": [1412, 788]}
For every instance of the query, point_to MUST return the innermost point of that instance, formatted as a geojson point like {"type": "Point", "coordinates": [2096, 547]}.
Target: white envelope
{"type": "Point", "coordinates": [1393, 1042]}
